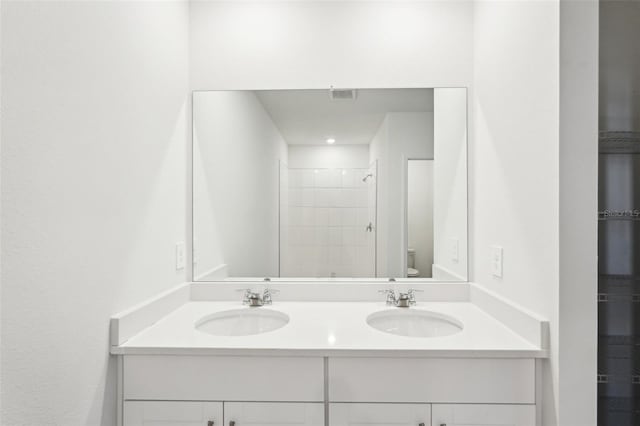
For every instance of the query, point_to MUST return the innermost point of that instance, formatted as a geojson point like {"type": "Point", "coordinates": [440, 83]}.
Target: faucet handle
{"type": "Point", "coordinates": [266, 296]}
{"type": "Point", "coordinates": [246, 296]}
{"type": "Point", "coordinates": [391, 295]}
{"type": "Point", "coordinates": [412, 295]}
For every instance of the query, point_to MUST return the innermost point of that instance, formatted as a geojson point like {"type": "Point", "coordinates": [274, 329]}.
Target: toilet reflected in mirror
{"type": "Point", "coordinates": [412, 272]}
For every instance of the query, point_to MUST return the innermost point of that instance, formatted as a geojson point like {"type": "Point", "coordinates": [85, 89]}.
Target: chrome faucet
{"type": "Point", "coordinates": [255, 299]}
{"type": "Point", "coordinates": [403, 300]}
{"type": "Point", "coordinates": [391, 296]}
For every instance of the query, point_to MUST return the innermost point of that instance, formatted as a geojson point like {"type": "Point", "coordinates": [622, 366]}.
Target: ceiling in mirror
{"type": "Point", "coordinates": [330, 184]}
{"type": "Point", "coordinates": [308, 117]}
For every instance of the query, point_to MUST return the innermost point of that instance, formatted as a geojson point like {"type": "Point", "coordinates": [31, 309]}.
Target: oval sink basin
{"type": "Point", "coordinates": [242, 322]}
{"type": "Point", "coordinates": [414, 323]}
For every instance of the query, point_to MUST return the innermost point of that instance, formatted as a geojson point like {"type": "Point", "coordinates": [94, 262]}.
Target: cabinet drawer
{"type": "Point", "coordinates": [273, 413]}
{"type": "Point", "coordinates": [510, 381]}
{"type": "Point", "coordinates": [484, 415]}
{"type": "Point", "coordinates": [349, 414]}
{"type": "Point", "coordinates": [164, 413]}
{"type": "Point", "coordinates": [223, 378]}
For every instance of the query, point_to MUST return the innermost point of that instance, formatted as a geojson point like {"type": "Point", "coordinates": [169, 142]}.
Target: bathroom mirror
{"type": "Point", "coordinates": [330, 184]}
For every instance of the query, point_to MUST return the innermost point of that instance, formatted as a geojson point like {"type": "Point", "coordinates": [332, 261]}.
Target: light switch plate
{"type": "Point", "coordinates": [496, 261]}
{"type": "Point", "coordinates": [180, 255]}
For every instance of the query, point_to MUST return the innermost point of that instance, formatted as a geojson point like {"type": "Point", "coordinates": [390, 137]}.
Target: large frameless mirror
{"type": "Point", "coordinates": [337, 184]}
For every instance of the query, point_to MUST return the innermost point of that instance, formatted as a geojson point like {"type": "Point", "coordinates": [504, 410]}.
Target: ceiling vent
{"type": "Point", "coordinates": [343, 94]}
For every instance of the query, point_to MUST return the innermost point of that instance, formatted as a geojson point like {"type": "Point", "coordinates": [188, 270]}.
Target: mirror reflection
{"type": "Point", "coordinates": [341, 183]}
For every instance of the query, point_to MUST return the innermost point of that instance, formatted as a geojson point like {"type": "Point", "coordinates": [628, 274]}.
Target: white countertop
{"type": "Point", "coordinates": [330, 329]}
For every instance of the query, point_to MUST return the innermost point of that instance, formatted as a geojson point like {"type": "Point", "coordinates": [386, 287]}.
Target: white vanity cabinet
{"type": "Point", "coordinates": [356, 414]}
{"type": "Point", "coordinates": [195, 390]}
{"type": "Point", "coordinates": [172, 413]}
{"type": "Point", "coordinates": [483, 415]}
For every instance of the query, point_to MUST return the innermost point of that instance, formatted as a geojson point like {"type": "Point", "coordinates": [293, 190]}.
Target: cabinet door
{"type": "Point", "coordinates": [273, 413]}
{"type": "Point", "coordinates": [483, 415]}
{"type": "Point", "coordinates": [357, 414]}
{"type": "Point", "coordinates": [173, 413]}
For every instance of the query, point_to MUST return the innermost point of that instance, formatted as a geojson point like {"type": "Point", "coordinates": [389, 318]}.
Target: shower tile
{"type": "Point", "coordinates": [322, 198]}
{"type": "Point", "coordinates": [361, 236]}
{"type": "Point", "coordinates": [308, 216]}
{"type": "Point", "coordinates": [362, 217]}
{"type": "Point", "coordinates": [322, 236]}
{"type": "Point", "coordinates": [321, 255]}
{"type": "Point", "coordinates": [295, 236]}
{"type": "Point", "coordinates": [295, 216]}
{"type": "Point", "coordinates": [335, 178]}
{"type": "Point", "coordinates": [307, 236]}
{"type": "Point", "coordinates": [322, 179]}
{"type": "Point", "coordinates": [349, 216]}
{"type": "Point", "coordinates": [334, 197]}
{"type": "Point", "coordinates": [295, 197]}
{"type": "Point", "coordinates": [335, 217]}
{"type": "Point", "coordinates": [335, 257]}
{"type": "Point", "coordinates": [349, 255]}
{"type": "Point", "coordinates": [295, 178]}
{"type": "Point", "coordinates": [322, 216]}
{"type": "Point", "coordinates": [307, 178]}
{"type": "Point", "coordinates": [342, 197]}
{"type": "Point", "coordinates": [348, 236]}
{"type": "Point", "coordinates": [307, 197]}
{"type": "Point", "coordinates": [360, 198]}
{"type": "Point", "coordinates": [335, 236]}
{"type": "Point", "coordinates": [348, 178]}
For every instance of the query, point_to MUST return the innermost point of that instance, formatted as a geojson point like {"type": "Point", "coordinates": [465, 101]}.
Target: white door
{"type": "Point", "coordinates": [273, 414]}
{"type": "Point", "coordinates": [355, 414]}
{"type": "Point", "coordinates": [172, 413]}
{"type": "Point", "coordinates": [483, 415]}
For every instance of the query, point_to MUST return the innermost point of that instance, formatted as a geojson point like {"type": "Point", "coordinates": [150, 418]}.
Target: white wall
{"type": "Point", "coordinates": [420, 214]}
{"type": "Point", "coordinates": [93, 133]}
{"type": "Point", "coordinates": [305, 45]}
{"type": "Point", "coordinates": [450, 183]}
{"type": "Point", "coordinates": [534, 155]}
{"type": "Point", "coordinates": [236, 184]}
{"type": "Point", "coordinates": [329, 156]}
{"type": "Point", "coordinates": [515, 177]}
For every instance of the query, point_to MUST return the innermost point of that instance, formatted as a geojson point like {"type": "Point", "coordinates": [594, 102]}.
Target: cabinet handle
{"type": "Point", "coordinates": [210, 423]}
{"type": "Point", "coordinates": [421, 424]}
{"type": "Point", "coordinates": [232, 423]}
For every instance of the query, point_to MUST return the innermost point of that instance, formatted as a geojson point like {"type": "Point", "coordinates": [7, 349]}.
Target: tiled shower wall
{"type": "Point", "coordinates": [324, 219]}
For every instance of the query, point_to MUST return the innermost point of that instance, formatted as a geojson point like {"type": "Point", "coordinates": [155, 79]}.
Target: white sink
{"type": "Point", "coordinates": [414, 323]}
{"type": "Point", "coordinates": [242, 322]}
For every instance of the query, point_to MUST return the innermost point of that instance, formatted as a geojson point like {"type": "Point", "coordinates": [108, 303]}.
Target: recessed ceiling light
{"type": "Point", "coordinates": [331, 141]}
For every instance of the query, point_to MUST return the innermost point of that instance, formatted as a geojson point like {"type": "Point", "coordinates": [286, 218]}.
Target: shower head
{"type": "Point", "coordinates": [364, 179]}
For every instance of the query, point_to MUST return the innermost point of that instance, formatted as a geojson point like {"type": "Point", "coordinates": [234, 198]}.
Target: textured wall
{"type": "Point", "coordinates": [93, 134]}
